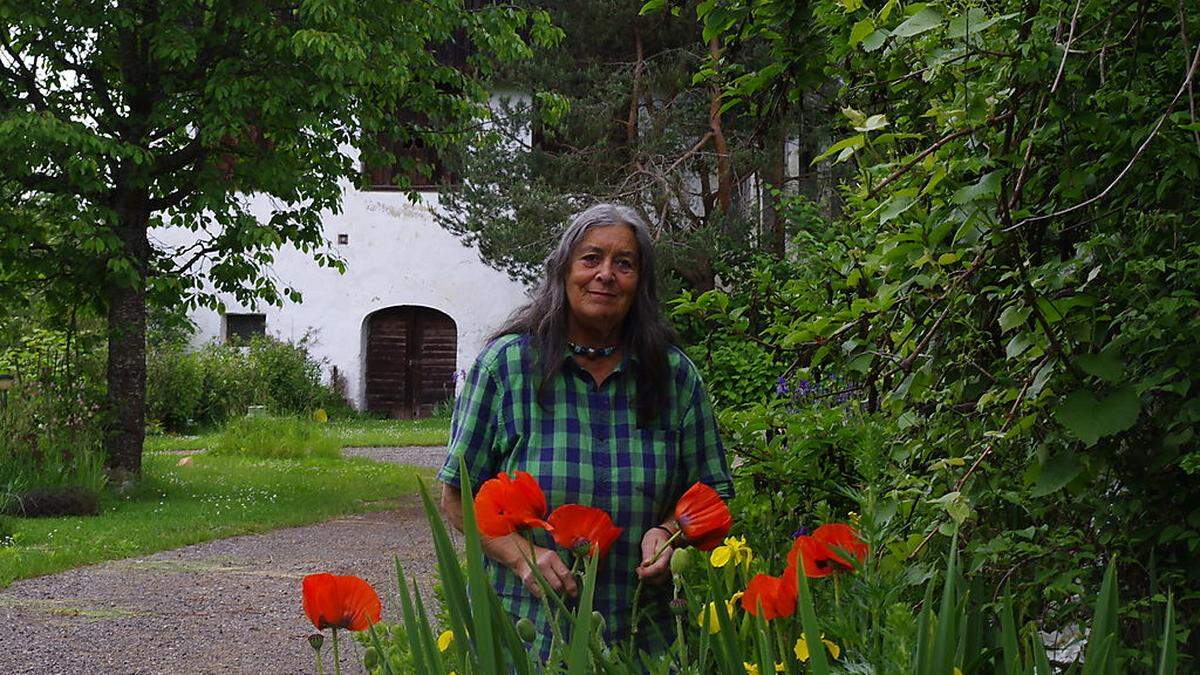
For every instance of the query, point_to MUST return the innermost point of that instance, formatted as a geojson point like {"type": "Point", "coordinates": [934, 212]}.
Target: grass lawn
{"type": "Point", "coordinates": [212, 498]}
{"type": "Point", "coordinates": [357, 432]}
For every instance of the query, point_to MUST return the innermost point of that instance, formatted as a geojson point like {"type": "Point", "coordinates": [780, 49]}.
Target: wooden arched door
{"type": "Point", "coordinates": [411, 354]}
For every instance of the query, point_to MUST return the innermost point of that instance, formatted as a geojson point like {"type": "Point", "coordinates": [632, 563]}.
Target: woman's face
{"type": "Point", "coordinates": [603, 278]}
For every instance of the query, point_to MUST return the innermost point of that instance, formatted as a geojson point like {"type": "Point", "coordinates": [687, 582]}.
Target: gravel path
{"type": "Point", "coordinates": [226, 606]}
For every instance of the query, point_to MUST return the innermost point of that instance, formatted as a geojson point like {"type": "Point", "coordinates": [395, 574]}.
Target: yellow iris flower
{"type": "Point", "coordinates": [733, 550]}
{"type": "Point", "coordinates": [708, 619]}
{"type": "Point", "coordinates": [445, 640]}
{"type": "Point", "coordinates": [752, 668]}
{"type": "Point", "coordinates": [802, 648]}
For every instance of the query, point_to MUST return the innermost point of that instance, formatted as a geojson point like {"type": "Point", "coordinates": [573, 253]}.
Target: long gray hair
{"type": "Point", "coordinates": [645, 334]}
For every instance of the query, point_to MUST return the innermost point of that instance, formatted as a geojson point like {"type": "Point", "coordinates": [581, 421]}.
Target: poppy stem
{"type": "Point", "coordinates": [683, 650]}
{"type": "Point", "coordinates": [666, 545]}
{"type": "Point", "coordinates": [836, 596]}
{"type": "Point", "coordinates": [320, 666]}
{"type": "Point", "coordinates": [337, 663]}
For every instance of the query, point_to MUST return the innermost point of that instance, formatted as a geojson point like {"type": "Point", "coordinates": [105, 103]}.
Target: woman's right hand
{"type": "Point", "coordinates": [551, 567]}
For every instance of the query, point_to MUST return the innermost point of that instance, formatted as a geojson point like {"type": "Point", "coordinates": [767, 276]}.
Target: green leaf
{"type": "Point", "coordinates": [860, 31]}
{"type": "Point", "coordinates": [972, 22]}
{"type": "Point", "coordinates": [875, 40]}
{"type": "Point", "coordinates": [652, 6]}
{"type": "Point", "coordinates": [1013, 316]}
{"type": "Point", "coordinates": [851, 143]}
{"type": "Point", "coordinates": [987, 187]}
{"type": "Point", "coordinates": [1018, 345]}
{"type": "Point", "coordinates": [1106, 365]}
{"type": "Point", "coordinates": [852, 5]}
{"type": "Point", "coordinates": [1057, 472]}
{"type": "Point", "coordinates": [925, 20]}
{"type": "Point", "coordinates": [1168, 658]}
{"type": "Point", "coordinates": [1090, 419]}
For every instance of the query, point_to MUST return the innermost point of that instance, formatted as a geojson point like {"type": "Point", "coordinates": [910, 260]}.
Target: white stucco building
{"type": "Point", "coordinates": [413, 308]}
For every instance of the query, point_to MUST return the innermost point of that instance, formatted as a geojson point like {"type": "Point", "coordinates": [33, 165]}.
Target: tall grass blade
{"type": "Point", "coordinates": [420, 652]}
{"type": "Point", "coordinates": [427, 638]}
{"type": "Point", "coordinates": [491, 658]}
{"type": "Point", "coordinates": [945, 640]}
{"type": "Point", "coordinates": [581, 632]}
{"type": "Point", "coordinates": [924, 652]}
{"type": "Point", "coordinates": [1009, 645]}
{"type": "Point", "coordinates": [1168, 659]}
{"type": "Point", "coordinates": [818, 664]}
{"type": "Point", "coordinates": [454, 584]}
{"type": "Point", "coordinates": [1041, 662]}
{"type": "Point", "coordinates": [1097, 659]}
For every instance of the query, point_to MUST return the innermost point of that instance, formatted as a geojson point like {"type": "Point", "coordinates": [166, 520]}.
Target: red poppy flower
{"type": "Point", "coordinates": [703, 517]}
{"type": "Point", "coordinates": [774, 595]}
{"type": "Point", "coordinates": [505, 505]}
{"type": "Point", "coordinates": [842, 541]}
{"type": "Point", "coordinates": [583, 527]}
{"type": "Point", "coordinates": [339, 602]}
{"type": "Point", "coordinates": [826, 549]}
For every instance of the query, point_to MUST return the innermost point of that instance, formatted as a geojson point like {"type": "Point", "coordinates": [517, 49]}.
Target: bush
{"type": "Point", "coordinates": [275, 438]}
{"type": "Point", "coordinates": [206, 387]}
{"type": "Point", "coordinates": [50, 437]}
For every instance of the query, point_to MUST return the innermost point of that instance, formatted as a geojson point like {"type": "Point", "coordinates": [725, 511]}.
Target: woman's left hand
{"type": "Point", "coordinates": [660, 570]}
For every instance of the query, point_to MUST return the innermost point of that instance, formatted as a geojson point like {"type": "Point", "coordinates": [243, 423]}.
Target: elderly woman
{"type": "Point", "coordinates": [585, 389]}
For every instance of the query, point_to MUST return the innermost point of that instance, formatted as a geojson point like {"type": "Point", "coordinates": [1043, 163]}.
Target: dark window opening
{"type": "Point", "coordinates": [424, 166]}
{"type": "Point", "coordinates": [343, 239]}
{"type": "Point", "coordinates": [241, 328]}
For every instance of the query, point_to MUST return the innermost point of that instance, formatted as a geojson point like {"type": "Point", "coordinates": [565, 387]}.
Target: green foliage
{"type": "Point", "coordinates": [50, 436]}
{"type": "Point", "coordinates": [271, 437]}
{"type": "Point", "coordinates": [189, 389]}
{"type": "Point", "coordinates": [868, 616]}
{"type": "Point", "coordinates": [1011, 283]}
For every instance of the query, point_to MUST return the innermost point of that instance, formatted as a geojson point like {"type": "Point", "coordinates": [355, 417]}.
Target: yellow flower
{"type": "Point", "coordinates": [752, 668]}
{"type": "Point", "coordinates": [802, 648]}
{"type": "Point", "coordinates": [445, 640]}
{"type": "Point", "coordinates": [734, 549]}
{"type": "Point", "coordinates": [957, 670]}
{"type": "Point", "coordinates": [320, 416]}
{"type": "Point", "coordinates": [708, 619]}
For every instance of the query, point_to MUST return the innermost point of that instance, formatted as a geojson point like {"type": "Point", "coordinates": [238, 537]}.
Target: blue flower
{"type": "Point", "coordinates": [781, 386]}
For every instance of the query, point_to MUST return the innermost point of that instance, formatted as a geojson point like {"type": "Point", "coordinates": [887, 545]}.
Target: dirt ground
{"type": "Point", "coordinates": [226, 606]}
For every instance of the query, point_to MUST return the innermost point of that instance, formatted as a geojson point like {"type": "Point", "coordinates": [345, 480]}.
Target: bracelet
{"type": "Point", "coordinates": [660, 527]}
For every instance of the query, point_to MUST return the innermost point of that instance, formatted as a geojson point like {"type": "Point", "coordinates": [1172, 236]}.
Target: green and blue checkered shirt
{"type": "Point", "coordinates": [585, 448]}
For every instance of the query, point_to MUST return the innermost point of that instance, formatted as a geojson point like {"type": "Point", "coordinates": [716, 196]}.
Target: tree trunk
{"type": "Point", "coordinates": [125, 401]}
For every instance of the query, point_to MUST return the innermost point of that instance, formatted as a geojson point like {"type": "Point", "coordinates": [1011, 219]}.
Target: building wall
{"type": "Point", "coordinates": [396, 254]}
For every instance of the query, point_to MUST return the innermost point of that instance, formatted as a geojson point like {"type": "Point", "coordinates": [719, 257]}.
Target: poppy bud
{"type": "Point", "coordinates": [679, 607]}
{"type": "Point", "coordinates": [526, 630]}
{"type": "Point", "coordinates": [598, 622]}
{"type": "Point", "coordinates": [316, 640]}
{"type": "Point", "coordinates": [681, 559]}
{"type": "Point", "coordinates": [582, 548]}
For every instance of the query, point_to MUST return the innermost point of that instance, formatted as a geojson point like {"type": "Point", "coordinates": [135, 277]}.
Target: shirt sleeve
{"type": "Point", "coordinates": [473, 429]}
{"type": "Point", "coordinates": [705, 458]}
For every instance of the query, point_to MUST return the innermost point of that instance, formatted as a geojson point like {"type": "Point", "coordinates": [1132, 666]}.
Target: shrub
{"type": "Point", "coordinates": [50, 438]}
{"type": "Point", "coordinates": [275, 438]}
{"type": "Point", "coordinates": [206, 387]}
